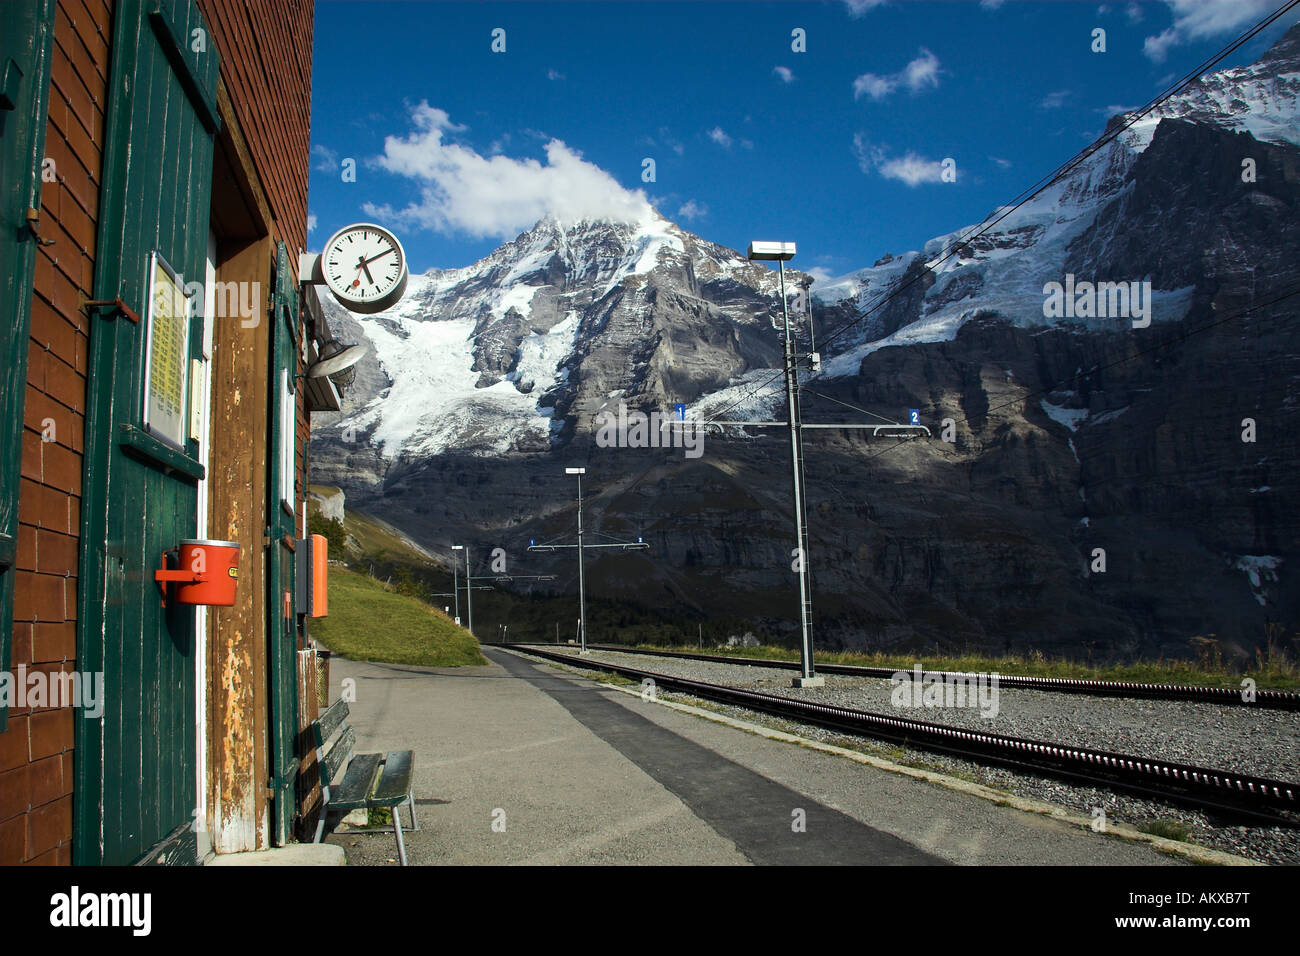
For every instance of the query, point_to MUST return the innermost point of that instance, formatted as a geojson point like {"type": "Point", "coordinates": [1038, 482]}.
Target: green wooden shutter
{"type": "Point", "coordinates": [136, 764]}
{"type": "Point", "coordinates": [282, 630]}
{"type": "Point", "coordinates": [25, 46]}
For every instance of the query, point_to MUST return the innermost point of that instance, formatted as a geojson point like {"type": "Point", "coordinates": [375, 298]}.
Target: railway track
{"type": "Point", "coordinates": [1275, 802]}
{"type": "Point", "coordinates": [1228, 696]}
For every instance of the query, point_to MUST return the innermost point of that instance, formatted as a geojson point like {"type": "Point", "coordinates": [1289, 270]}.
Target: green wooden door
{"type": "Point", "coordinates": [136, 764]}
{"type": "Point", "coordinates": [281, 629]}
{"type": "Point", "coordinates": [25, 44]}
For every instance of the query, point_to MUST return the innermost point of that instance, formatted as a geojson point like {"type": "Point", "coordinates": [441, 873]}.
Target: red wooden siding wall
{"type": "Point", "coordinates": [266, 65]}
{"type": "Point", "coordinates": [36, 751]}
{"type": "Point", "coordinates": [266, 60]}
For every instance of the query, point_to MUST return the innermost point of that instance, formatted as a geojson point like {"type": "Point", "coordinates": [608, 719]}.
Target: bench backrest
{"type": "Point", "coordinates": [333, 761]}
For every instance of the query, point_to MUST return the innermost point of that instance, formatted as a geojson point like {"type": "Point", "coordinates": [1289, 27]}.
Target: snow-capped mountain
{"type": "Point", "coordinates": [1169, 453]}
{"type": "Point", "coordinates": [507, 354]}
{"type": "Point", "coordinates": [1070, 227]}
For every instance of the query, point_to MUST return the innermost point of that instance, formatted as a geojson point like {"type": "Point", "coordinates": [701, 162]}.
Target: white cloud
{"type": "Point", "coordinates": [908, 168]}
{"type": "Point", "coordinates": [1002, 163]}
{"type": "Point", "coordinates": [920, 73]}
{"type": "Point", "coordinates": [1203, 19]}
{"type": "Point", "coordinates": [784, 73]}
{"type": "Point", "coordinates": [463, 191]}
{"type": "Point", "coordinates": [692, 210]}
{"type": "Point", "coordinates": [666, 139]}
{"type": "Point", "coordinates": [858, 8]}
{"type": "Point", "coordinates": [1134, 13]}
{"type": "Point", "coordinates": [746, 144]}
{"type": "Point", "coordinates": [327, 161]}
{"type": "Point", "coordinates": [870, 84]}
{"type": "Point", "coordinates": [719, 136]}
{"type": "Point", "coordinates": [311, 222]}
{"type": "Point", "coordinates": [554, 75]}
{"type": "Point", "coordinates": [1053, 101]}
{"type": "Point", "coordinates": [911, 169]}
{"type": "Point", "coordinates": [1157, 47]}
{"type": "Point", "coordinates": [991, 4]}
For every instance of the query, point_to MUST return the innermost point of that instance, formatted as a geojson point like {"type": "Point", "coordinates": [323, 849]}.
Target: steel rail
{"type": "Point", "coordinates": [1219, 790]}
{"type": "Point", "coordinates": [1228, 696]}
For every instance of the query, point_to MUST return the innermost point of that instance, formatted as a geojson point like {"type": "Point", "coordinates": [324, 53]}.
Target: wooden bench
{"type": "Point", "coordinates": [369, 780]}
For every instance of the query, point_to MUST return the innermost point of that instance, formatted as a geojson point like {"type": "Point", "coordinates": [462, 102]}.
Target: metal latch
{"type": "Point", "coordinates": [33, 222]}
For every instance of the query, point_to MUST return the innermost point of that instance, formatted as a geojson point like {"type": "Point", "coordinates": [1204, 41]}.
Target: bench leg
{"type": "Point", "coordinates": [410, 802]}
{"type": "Point", "coordinates": [397, 828]}
{"type": "Point", "coordinates": [324, 813]}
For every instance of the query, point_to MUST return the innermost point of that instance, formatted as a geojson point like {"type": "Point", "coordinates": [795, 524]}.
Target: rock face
{"type": "Point", "coordinates": [329, 503]}
{"type": "Point", "coordinates": [520, 351]}
{"type": "Point", "coordinates": [1095, 484]}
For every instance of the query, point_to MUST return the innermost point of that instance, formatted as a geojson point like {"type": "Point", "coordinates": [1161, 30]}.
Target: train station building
{"type": "Point", "coordinates": [155, 679]}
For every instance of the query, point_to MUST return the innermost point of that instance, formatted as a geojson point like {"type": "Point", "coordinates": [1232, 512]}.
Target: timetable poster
{"type": "Point", "coordinates": [167, 355]}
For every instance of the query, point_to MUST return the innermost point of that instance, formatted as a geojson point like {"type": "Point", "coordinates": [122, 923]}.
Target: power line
{"type": "Point", "coordinates": [1027, 194]}
{"type": "Point", "coordinates": [848, 405]}
{"type": "Point", "coordinates": [1069, 166]}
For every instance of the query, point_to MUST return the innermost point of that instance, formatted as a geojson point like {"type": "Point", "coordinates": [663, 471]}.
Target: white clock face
{"type": "Point", "coordinates": [365, 267]}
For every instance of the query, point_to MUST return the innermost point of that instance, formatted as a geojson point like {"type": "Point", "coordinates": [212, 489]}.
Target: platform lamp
{"type": "Point", "coordinates": [469, 589]}
{"type": "Point", "coordinates": [582, 584]}
{"type": "Point", "coordinates": [781, 253]}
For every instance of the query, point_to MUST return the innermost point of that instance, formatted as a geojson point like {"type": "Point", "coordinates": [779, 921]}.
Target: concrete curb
{"type": "Point", "coordinates": [295, 854]}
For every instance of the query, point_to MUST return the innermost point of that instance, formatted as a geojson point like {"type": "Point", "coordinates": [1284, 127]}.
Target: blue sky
{"type": "Point", "coordinates": [838, 148]}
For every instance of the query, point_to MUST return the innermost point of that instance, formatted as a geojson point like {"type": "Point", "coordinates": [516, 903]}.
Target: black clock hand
{"type": "Point", "coordinates": [365, 267]}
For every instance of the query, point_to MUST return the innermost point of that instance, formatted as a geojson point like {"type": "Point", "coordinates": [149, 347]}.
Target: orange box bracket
{"type": "Point", "coordinates": [319, 575]}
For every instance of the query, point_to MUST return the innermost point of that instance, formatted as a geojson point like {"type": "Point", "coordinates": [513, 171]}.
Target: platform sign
{"type": "Point", "coordinates": [914, 416]}
{"type": "Point", "coordinates": [166, 354]}
{"type": "Point", "coordinates": [681, 411]}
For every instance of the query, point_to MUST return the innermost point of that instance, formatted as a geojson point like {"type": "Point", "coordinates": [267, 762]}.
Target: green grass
{"type": "Point", "coordinates": [368, 623]}
{"type": "Point", "coordinates": [373, 536]}
{"type": "Point", "coordinates": [1272, 670]}
{"type": "Point", "coordinates": [1169, 829]}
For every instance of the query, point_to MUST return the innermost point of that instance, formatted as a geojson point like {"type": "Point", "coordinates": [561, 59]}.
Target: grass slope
{"type": "Point", "coordinates": [373, 536]}
{"type": "Point", "coordinates": [368, 623]}
{"type": "Point", "coordinates": [378, 537]}
{"type": "Point", "coordinates": [1271, 671]}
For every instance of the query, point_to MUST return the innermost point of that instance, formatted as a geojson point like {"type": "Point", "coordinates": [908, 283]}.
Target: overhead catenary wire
{"type": "Point", "coordinates": [1050, 179]}
{"type": "Point", "coordinates": [1030, 192]}
{"type": "Point", "coordinates": [850, 405]}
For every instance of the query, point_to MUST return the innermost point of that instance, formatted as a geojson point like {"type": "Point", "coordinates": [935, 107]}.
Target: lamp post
{"type": "Point", "coordinates": [455, 581]}
{"type": "Point", "coordinates": [783, 252]}
{"type": "Point", "coordinates": [582, 583]}
{"type": "Point", "coordinates": [469, 590]}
